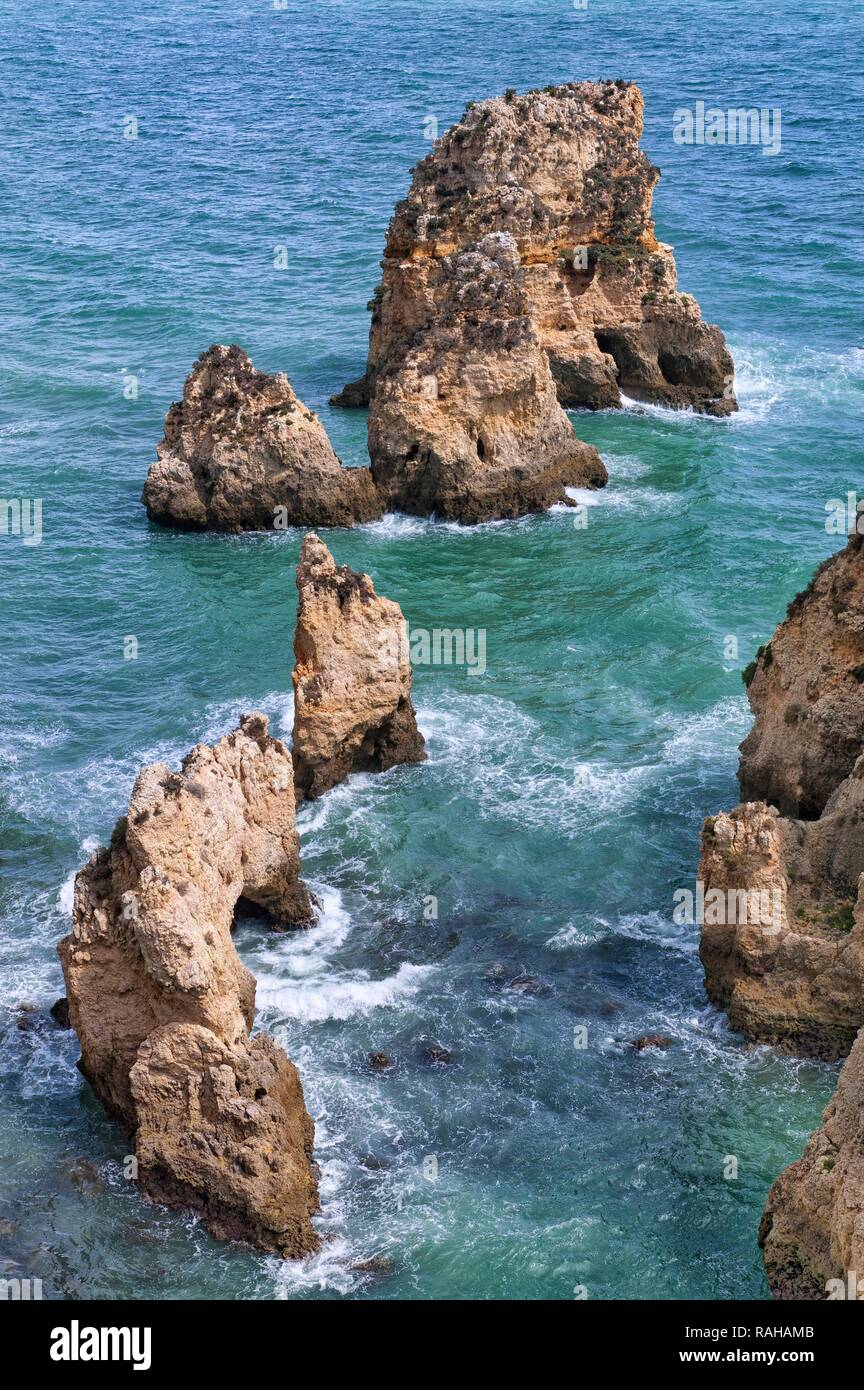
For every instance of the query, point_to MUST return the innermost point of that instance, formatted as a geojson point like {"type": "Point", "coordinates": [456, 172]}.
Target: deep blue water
{"type": "Point", "coordinates": [562, 801]}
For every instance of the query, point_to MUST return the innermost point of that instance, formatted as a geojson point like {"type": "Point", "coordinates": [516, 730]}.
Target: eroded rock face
{"type": "Point", "coordinates": [784, 953]}
{"type": "Point", "coordinates": [812, 1231]}
{"type": "Point", "coordinates": [797, 978]}
{"type": "Point", "coordinates": [800, 985]}
{"type": "Point", "coordinates": [242, 453]}
{"type": "Point", "coordinates": [557, 170]}
{"type": "Point", "coordinates": [352, 679]}
{"type": "Point", "coordinates": [225, 1132]}
{"type": "Point", "coordinates": [466, 422]}
{"type": "Point", "coordinates": [807, 693]}
{"type": "Point", "coordinates": [162, 1005]}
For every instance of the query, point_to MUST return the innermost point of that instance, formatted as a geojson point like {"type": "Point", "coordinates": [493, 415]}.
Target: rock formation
{"type": "Point", "coordinates": [242, 453]}
{"type": "Point", "coordinates": [812, 1231]}
{"type": "Point", "coordinates": [794, 975]}
{"type": "Point", "coordinates": [559, 174]}
{"type": "Point", "coordinates": [352, 680]}
{"type": "Point", "coordinates": [466, 423]}
{"type": "Point", "coordinates": [784, 954]}
{"type": "Point", "coordinates": [806, 690]}
{"type": "Point", "coordinates": [796, 978]}
{"type": "Point", "coordinates": [163, 1007]}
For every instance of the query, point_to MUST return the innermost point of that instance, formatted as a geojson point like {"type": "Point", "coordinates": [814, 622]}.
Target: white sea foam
{"type": "Point", "coordinates": [17, 741]}
{"type": "Point", "coordinates": [79, 796]}
{"type": "Point", "coordinates": [303, 955]}
{"type": "Point", "coordinates": [657, 929]}
{"type": "Point", "coordinates": [711, 733]}
{"type": "Point", "coordinates": [484, 744]}
{"type": "Point", "coordinates": [66, 896]}
{"type": "Point", "coordinates": [623, 499]}
{"type": "Point", "coordinates": [298, 979]}
{"type": "Point", "coordinates": [569, 938]}
{"type": "Point", "coordinates": [395, 525]}
{"type": "Point", "coordinates": [585, 496]}
{"type": "Point", "coordinates": [327, 1271]}
{"type": "Point", "coordinates": [342, 995]}
{"type": "Point", "coordinates": [768, 374]}
{"type": "Point", "coordinates": [664, 412]}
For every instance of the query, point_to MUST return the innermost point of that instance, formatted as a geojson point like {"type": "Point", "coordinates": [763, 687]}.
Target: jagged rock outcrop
{"type": "Point", "coordinates": [163, 1007]}
{"type": "Point", "coordinates": [783, 948]}
{"type": "Point", "coordinates": [466, 422]}
{"type": "Point", "coordinates": [807, 693]}
{"type": "Point", "coordinates": [352, 679]}
{"type": "Point", "coordinates": [812, 1232]}
{"type": "Point", "coordinates": [795, 976]}
{"type": "Point", "coordinates": [800, 983]}
{"type": "Point", "coordinates": [559, 173]}
{"type": "Point", "coordinates": [242, 453]}
{"type": "Point", "coordinates": [225, 1132]}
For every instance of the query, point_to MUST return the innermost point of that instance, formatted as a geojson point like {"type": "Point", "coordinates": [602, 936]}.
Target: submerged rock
{"type": "Point", "coordinates": [437, 1056]}
{"type": "Point", "coordinates": [60, 1013]}
{"type": "Point", "coordinates": [241, 453]}
{"type": "Point", "coordinates": [379, 1266]}
{"type": "Point", "coordinates": [651, 1040]}
{"type": "Point", "coordinates": [163, 1006]}
{"type": "Point", "coordinates": [379, 1061]}
{"type": "Point", "coordinates": [28, 1017]}
{"type": "Point", "coordinates": [558, 176]}
{"type": "Point", "coordinates": [352, 679]}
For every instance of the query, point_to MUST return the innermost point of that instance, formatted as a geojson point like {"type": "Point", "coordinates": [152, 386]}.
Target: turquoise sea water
{"type": "Point", "coordinates": [561, 804]}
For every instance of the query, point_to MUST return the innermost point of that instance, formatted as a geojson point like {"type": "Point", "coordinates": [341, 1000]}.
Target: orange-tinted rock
{"type": "Point", "coordinates": [352, 679]}
{"type": "Point", "coordinates": [242, 453]}
{"type": "Point", "coordinates": [466, 423]}
{"type": "Point", "coordinates": [163, 1006]}
{"type": "Point", "coordinates": [559, 175]}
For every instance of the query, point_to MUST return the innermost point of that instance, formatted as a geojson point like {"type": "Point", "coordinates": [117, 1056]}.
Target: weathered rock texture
{"type": "Point", "coordinates": [792, 975]}
{"type": "Point", "coordinates": [807, 693]}
{"type": "Point", "coordinates": [352, 679]}
{"type": "Point", "coordinates": [813, 1227]}
{"type": "Point", "coordinates": [799, 982]}
{"type": "Point", "coordinates": [559, 172]}
{"type": "Point", "coordinates": [163, 1006]}
{"type": "Point", "coordinates": [242, 453]}
{"type": "Point", "coordinates": [466, 422]}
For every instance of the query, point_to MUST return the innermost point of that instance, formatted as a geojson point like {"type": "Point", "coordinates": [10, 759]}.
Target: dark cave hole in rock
{"type": "Point", "coordinates": [245, 910]}
{"type": "Point", "coordinates": [577, 278]}
{"type": "Point", "coordinates": [625, 353]}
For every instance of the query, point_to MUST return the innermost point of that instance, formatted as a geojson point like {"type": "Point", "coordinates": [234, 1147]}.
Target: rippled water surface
{"type": "Point", "coordinates": [561, 803]}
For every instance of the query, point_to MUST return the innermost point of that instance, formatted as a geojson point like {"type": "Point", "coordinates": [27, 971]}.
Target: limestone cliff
{"type": "Point", "coordinates": [800, 830]}
{"type": "Point", "coordinates": [812, 1232]}
{"type": "Point", "coordinates": [792, 975]}
{"type": "Point", "coordinates": [163, 1007]}
{"type": "Point", "coordinates": [352, 679]}
{"type": "Point", "coordinates": [559, 173]}
{"type": "Point", "coordinates": [797, 979]}
{"type": "Point", "coordinates": [241, 452]}
{"type": "Point", "coordinates": [807, 693]}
